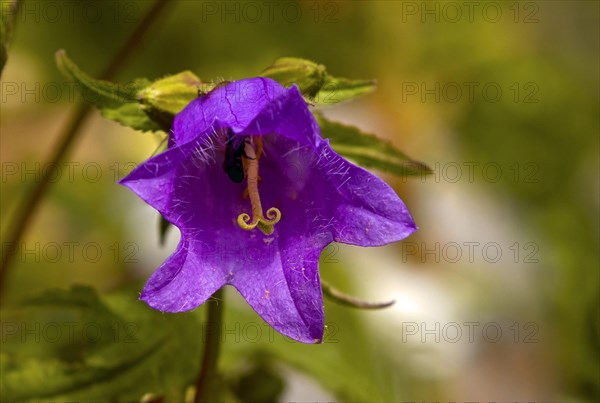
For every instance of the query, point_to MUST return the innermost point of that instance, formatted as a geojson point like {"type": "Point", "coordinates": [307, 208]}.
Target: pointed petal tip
{"type": "Point", "coordinates": [168, 305]}
{"type": "Point", "coordinates": [305, 336]}
{"type": "Point", "coordinates": [316, 335]}
{"type": "Point", "coordinates": [409, 229]}
{"type": "Point", "coordinates": [412, 228]}
{"type": "Point", "coordinates": [123, 181]}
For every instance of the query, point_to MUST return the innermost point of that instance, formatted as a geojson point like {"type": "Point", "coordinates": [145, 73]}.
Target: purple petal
{"type": "Point", "coordinates": [283, 286]}
{"type": "Point", "coordinates": [368, 211]}
{"type": "Point", "coordinates": [288, 116]}
{"type": "Point", "coordinates": [253, 106]}
{"type": "Point", "coordinates": [271, 272]}
{"type": "Point", "coordinates": [154, 180]}
{"type": "Point", "coordinates": [343, 200]}
{"type": "Point", "coordinates": [183, 281]}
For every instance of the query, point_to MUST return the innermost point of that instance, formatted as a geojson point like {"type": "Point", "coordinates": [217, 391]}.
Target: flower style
{"type": "Point", "coordinates": [257, 194]}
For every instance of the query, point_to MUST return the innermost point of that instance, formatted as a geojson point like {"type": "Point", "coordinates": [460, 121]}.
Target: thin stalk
{"type": "Point", "coordinates": [206, 385]}
{"type": "Point", "coordinates": [348, 300]}
{"type": "Point", "coordinates": [27, 208]}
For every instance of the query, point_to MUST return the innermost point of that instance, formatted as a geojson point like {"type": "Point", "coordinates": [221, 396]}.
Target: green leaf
{"type": "Point", "coordinates": [105, 93]}
{"type": "Point", "coordinates": [368, 150]}
{"type": "Point", "coordinates": [117, 102]}
{"type": "Point", "coordinates": [73, 345]}
{"type": "Point", "coordinates": [336, 90]}
{"type": "Point", "coordinates": [141, 104]}
{"type": "Point", "coordinates": [260, 384]}
{"type": "Point", "coordinates": [314, 82]}
{"type": "Point", "coordinates": [165, 98]}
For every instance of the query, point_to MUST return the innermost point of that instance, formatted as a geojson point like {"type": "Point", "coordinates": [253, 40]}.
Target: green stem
{"type": "Point", "coordinates": [206, 384]}
{"type": "Point", "coordinates": [10, 10]}
{"type": "Point", "coordinates": [26, 211]}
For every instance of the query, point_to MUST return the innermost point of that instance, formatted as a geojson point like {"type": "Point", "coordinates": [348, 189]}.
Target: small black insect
{"type": "Point", "coordinates": [233, 158]}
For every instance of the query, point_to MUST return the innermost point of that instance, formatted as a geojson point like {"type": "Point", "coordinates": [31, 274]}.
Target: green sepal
{"type": "Point", "coordinates": [308, 76]}
{"type": "Point", "coordinates": [317, 86]}
{"type": "Point", "coordinates": [165, 98]}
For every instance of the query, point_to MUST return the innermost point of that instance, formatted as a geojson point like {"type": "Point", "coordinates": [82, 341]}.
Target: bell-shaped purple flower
{"type": "Point", "coordinates": [257, 194]}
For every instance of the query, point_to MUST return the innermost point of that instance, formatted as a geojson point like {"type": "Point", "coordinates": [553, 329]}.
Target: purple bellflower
{"type": "Point", "coordinates": [260, 231]}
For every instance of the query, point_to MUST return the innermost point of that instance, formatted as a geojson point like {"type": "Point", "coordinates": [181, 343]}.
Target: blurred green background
{"type": "Point", "coordinates": [501, 99]}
